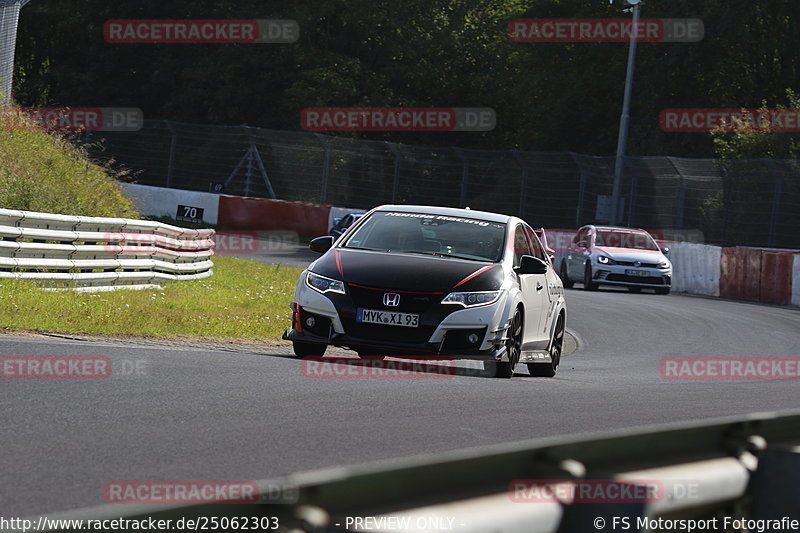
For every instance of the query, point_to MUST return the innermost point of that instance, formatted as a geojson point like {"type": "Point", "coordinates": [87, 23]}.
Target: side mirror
{"type": "Point", "coordinates": [665, 250]}
{"type": "Point", "coordinates": [321, 244]}
{"type": "Point", "coordinates": [531, 265]}
{"type": "Point", "coordinates": [582, 244]}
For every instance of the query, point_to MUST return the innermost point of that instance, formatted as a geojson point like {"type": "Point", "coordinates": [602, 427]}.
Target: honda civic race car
{"type": "Point", "coordinates": [600, 255]}
{"type": "Point", "coordinates": [421, 281]}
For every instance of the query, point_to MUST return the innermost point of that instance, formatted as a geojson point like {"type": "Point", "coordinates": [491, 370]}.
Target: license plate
{"type": "Point", "coordinates": [637, 273]}
{"type": "Point", "coordinates": [387, 318]}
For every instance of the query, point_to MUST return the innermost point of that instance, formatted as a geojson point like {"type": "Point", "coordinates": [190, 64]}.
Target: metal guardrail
{"type": "Point", "coordinates": [95, 253]}
{"type": "Point", "coordinates": [745, 467]}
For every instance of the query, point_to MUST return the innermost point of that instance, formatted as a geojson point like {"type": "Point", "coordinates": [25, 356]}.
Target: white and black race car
{"type": "Point", "coordinates": [417, 281]}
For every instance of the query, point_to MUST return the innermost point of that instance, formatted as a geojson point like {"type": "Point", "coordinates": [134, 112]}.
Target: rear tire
{"type": "Point", "coordinates": [663, 290]}
{"type": "Point", "coordinates": [548, 370]}
{"type": "Point", "coordinates": [588, 284]}
{"type": "Point", "coordinates": [370, 355]}
{"type": "Point", "coordinates": [562, 273]}
{"type": "Point", "coordinates": [309, 349]}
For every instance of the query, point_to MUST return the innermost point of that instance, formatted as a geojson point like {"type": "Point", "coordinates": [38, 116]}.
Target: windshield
{"type": "Point", "coordinates": [430, 234]}
{"type": "Point", "coordinates": [625, 239]}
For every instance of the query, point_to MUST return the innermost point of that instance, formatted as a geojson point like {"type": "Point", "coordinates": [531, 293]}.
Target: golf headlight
{"type": "Point", "coordinates": [664, 264]}
{"type": "Point", "coordinates": [472, 299]}
{"type": "Point", "coordinates": [323, 284]}
{"type": "Point", "coordinates": [603, 260]}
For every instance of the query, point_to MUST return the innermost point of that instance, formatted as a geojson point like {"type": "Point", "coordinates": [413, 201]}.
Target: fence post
{"type": "Point", "coordinates": [776, 200]}
{"type": "Point", "coordinates": [581, 189]}
{"type": "Point", "coordinates": [326, 162]}
{"type": "Point", "coordinates": [464, 177]}
{"type": "Point", "coordinates": [396, 180]}
{"type": "Point", "coordinates": [680, 207]}
{"type": "Point", "coordinates": [523, 187]}
{"type": "Point", "coordinates": [172, 146]}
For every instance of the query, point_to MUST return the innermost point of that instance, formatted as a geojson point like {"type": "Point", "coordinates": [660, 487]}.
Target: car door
{"type": "Point", "coordinates": [575, 255]}
{"type": "Point", "coordinates": [550, 279]}
{"type": "Point", "coordinates": [532, 287]}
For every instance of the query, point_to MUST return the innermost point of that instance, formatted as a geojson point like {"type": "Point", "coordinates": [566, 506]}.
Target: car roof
{"type": "Point", "coordinates": [616, 228]}
{"type": "Point", "coordinates": [446, 211]}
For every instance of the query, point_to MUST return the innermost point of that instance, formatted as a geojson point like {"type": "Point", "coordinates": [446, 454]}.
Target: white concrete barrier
{"type": "Point", "coordinates": [695, 268]}
{"type": "Point", "coordinates": [796, 280]}
{"type": "Point", "coordinates": [163, 202]}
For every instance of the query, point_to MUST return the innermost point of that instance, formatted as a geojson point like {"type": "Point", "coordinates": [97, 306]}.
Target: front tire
{"type": "Point", "coordinates": [548, 370]}
{"type": "Point", "coordinates": [505, 369]}
{"type": "Point", "coordinates": [588, 284]}
{"type": "Point", "coordinates": [663, 290]}
{"type": "Point", "coordinates": [562, 273]}
{"type": "Point", "coordinates": [309, 349]}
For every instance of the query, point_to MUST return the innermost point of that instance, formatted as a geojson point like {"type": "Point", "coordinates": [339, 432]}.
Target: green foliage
{"type": "Point", "coordinates": [548, 96]}
{"type": "Point", "coordinates": [760, 143]}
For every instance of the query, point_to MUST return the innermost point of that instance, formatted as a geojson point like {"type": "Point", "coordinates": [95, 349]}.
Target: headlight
{"type": "Point", "coordinates": [663, 264]}
{"type": "Point", "coordinates": [603, 260]}
{"type": "Point", "coordinates": [472, 299]}
{"type": "Point", "coordinates": [323, 284]}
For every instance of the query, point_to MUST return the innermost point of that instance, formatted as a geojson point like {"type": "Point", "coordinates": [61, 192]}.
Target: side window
{"type": "Point", "coordinates": [537, 250]}
{"type": "Point", "coordinates": [582, 237]}
{"type": "Point", "coordinates": [521, 244]}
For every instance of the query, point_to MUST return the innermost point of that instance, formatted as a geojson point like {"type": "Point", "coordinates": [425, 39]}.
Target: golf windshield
{"type": "Point", "coordinates": [625, 239]}
{"type": "Point", "coordinates": [430, 234]}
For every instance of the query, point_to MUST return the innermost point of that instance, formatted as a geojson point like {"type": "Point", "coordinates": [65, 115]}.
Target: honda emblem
{"type": "Point", "coordinates": [391, 299]}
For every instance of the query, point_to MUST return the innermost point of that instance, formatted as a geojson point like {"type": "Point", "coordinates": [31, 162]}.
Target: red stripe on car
{"type": "Point", "coordinates": [474, 274]}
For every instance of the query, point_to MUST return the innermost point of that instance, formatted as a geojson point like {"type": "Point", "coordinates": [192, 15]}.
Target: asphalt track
{"type": "Point", "coordinates": [205, 413]}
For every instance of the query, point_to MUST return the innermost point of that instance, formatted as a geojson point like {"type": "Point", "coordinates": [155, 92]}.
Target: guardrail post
{"type": "Point", "coordinates": [396, 179]}
{"type": "Point", "coordinates": [462, 202]}
{"type": "Point", "coordinates": [326, 161]}
{"type": "Point", "coordinates": [172, 147]}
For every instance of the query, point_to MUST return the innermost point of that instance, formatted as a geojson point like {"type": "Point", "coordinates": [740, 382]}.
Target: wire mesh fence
{"type": "Point", "coordinates": [9, 18]}
{"type": "Point", "coordinates": [729, 202]}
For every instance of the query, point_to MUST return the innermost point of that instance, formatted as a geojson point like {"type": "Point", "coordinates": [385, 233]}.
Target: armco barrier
{"type": "Point", "coordinates": [757, 275]}
{"type": "Point", "coordinates": [94, 253]}
{"type": "Point", "coordinates": [238, 212]}
{"type": "Point", "coordinates": [776, 277]}
{"type": "Point", "coordinates": [162, 202]}
{"type": "Point", "coordinates": [695, 268]}
{"type": "Point", "coordinates": [738, 467]}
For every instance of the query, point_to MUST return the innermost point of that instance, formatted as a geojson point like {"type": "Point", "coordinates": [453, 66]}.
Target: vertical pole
{"type": "Point", "coordinates": [396, 178]}
{"type": "Point", "coordinates": [326, 161]}
{"type": "Point", "coordinates": [681, 201]}
{"type": "Point", "coordinates": [462, 202]}
{"type": "Point", "coordinates": [523, 185]}
{"type": "Point", "coordinates": [581, 190]}
{"type": "Point", "coordinates": [776, 201]}
{"type": "Point", "coordinates": [624, 120]}
{"type": "Point", "coordinates": [172, 147]}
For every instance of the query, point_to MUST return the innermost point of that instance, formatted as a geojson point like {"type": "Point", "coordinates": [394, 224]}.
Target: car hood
{"type": "Point", "coordinates": [630, 254]}
{"type": "Point", "coordinates": [408, 272]}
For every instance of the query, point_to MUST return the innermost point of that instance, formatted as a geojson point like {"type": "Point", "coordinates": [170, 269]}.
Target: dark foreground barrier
{"type": "Point", "coordinates": [725, 475]}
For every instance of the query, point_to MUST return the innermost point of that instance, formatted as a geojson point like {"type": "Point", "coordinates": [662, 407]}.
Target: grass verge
{"type": "Point", "coordinates": [47, 172]}
{"type": "Point", "coordinates": [244, 299]}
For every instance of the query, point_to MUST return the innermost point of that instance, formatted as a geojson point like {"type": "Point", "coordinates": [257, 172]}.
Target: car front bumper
{"type": "Point", "coordinates": [444, 329]}
{"type": "Point", "coordinates": [617, 275]}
